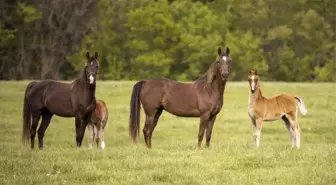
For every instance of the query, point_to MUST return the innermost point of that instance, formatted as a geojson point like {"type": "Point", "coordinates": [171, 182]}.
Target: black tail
{"type": "Point", "coordinates": [26, 116]}
{"type": "Point", "coordinates": [134, 120]}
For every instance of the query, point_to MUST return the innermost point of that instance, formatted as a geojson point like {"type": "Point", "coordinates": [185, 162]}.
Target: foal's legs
{"type": "Point", "coordinates": [101, 136]}
{"type": "Point", "coordinates": [290, 129]}
{"type": "Point", "coordinates": [150, 123]}
{"type": "Point", "coordinates": [35, 119]}
{"type": "Point", "coordinates": [292, 117]}
{"type": "Point", "coordinates": [91, 132]}
{"type": "Point", "coordinates": [204, 121]}
{"type": "Point", "coordinates": [46, 117]}
{"type": "Point", "coordinates": [257, 126]}
{"type": "Point", "coordinates": [96, 131]}
{"type": "Point", "coordinates": [209, 130]}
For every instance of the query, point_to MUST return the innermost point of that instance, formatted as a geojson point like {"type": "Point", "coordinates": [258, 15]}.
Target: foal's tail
{"type": "Point", "coordinates": [302, 106]}
{"type": "Point", "coordinates": [134, 120]}
{"type": "Point", "coordinates": [26, 116]}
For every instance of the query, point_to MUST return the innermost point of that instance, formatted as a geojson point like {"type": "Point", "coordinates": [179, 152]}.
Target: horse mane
{"type": "Point", "coordinates": [80, 76]}
{"type": "Point", "coordinates": [209, 75]}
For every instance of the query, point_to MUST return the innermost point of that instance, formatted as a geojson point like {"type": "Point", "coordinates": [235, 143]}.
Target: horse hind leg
{"type": "Point", "coordinates": [150, 124]}
{"type": "Point", "coordinates": [35, 119]}
{"type": "Point", "coordinates": [46, 118]}
{"type": "Point", "coordinates": [290, 130]}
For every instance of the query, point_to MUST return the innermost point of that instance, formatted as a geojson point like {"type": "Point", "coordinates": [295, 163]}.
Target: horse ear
{"type": "Point", "coordinates": [227, 50]}
{"type": "Point", "coordinates": [249, 72]}
{"type": "Point", "coordinates": [219, 51]}
{"type": "Point", "coordinates": [88, 55]}
{"type": "Point", "coordinates": [96, 55]}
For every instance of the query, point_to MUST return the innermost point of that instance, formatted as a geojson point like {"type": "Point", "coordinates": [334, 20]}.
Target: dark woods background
{"type": "Point", "coordinates": [178, 39]}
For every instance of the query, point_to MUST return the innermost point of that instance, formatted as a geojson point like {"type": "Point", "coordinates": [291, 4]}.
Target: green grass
{"type": "Point", "coordinates": [174, 159]}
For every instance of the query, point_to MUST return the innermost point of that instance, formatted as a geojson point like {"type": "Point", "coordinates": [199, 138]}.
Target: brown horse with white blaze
{"type": "Point", "coordinates": [202, 98]}
{"type": "Point", "coordinates": [283, 107]}
{"type": "Point", "coordinates": [47, 98]}
{"type": "Point", "coordinates": [98, 123]}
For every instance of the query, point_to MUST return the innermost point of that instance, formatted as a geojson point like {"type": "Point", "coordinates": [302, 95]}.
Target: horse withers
{"type": "Point", "coordinates": [203, 98]}
{"type": "Point", "coordinates": [49, 97]}
{"type": "Point", "coordinates": [283, 107]}
{"type": "Point", "coordinates": [97, 124]}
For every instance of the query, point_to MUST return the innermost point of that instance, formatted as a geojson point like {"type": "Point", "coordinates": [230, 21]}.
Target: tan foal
{"type": "Point", "coordinates": [283, 107]}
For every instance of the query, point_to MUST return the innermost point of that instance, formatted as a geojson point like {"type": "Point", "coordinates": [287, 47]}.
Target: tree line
{"type": "Point", "coordinates": [177, 39]}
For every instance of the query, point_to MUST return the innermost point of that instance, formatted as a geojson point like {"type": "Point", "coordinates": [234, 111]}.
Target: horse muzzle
{"type": "Point", "coordinates": [91, 79]}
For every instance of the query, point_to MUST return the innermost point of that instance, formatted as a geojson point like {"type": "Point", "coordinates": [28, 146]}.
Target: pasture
{"type": "Point", "coordinates": [174, 159]}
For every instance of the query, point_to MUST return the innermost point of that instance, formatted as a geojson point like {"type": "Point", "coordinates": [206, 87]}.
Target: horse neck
{"type": "Point", "coordinates": [219, 84]}
{"type": "Point", "coordinates": [256, 96]}
{"type": "Point", "coordinates": [88, 90]}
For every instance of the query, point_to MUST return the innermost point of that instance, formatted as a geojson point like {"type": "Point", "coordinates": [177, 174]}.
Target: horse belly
{"type": "Point", "coordinates": [59, 106]}
{"type": "Point", "coordinates": [181, 107]}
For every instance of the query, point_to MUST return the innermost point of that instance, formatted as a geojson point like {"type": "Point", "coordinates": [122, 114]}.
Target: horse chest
{"type": "Point", "coordinates": [218, 107]}
{"type": "Point", "coordinates": [251, 112]}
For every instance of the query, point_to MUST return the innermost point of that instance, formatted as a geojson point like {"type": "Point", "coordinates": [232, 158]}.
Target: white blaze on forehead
{"type": "Point", "coordinates": [253, 83]}
{"type": "Point", "coordinates": [224, 58]}
{"type": "Point", "coordinates": [91, 63]}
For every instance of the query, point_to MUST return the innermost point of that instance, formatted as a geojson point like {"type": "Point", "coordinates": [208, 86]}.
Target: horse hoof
{"type": "Point", "coordinates": [102, 144]}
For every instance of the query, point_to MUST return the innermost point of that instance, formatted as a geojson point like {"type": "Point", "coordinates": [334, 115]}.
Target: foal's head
{"type": "Point", "coordinates": [253, 79]}
{"type": "Point", "coordinates": [91, 68]}
{"type": "Point", "coordinates": [223, 62]}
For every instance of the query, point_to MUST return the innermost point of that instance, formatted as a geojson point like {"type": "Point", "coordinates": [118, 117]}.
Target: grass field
{"type": "Point", "coordinates": [174, 159]}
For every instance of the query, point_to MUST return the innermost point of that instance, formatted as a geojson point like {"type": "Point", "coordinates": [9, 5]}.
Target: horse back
{"type": "Point", "coordinates": [53, 95]}
{"type": "Point", "coordinates": [281, 103]}
{"type": "Point", "coordinates": [175, 97]}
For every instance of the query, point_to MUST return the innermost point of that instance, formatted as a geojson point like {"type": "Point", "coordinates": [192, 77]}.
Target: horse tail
{"type": "Point", "coordinates": [26, 116]}
{"type": "Point", "coordinates": [302, 106]}
{"type": "Point", "coordinates": [134, 120]}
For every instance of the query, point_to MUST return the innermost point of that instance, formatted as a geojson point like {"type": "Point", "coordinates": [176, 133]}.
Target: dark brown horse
{"type": "Point", "coordinates": [49, 97]}
{"type": "Point", "coordinates": [203, 98]}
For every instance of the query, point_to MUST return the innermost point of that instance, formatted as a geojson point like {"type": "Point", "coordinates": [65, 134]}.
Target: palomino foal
{"type": "Point", "coordinates": [278, 107]}
{"type": "Point", "coordinates": [97, 124]}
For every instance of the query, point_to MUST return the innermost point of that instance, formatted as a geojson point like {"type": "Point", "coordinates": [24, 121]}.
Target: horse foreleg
{"type": "Point", "coordinates": [96, 131]}
{"type": "Point", "coordinates": [209, 130]}
{"type": "Point", "coordinates": [82, 130]}
{"type": "Point", "coordinates": [257, 126]}
{"type": "Point", "coordinates": [101, 136]}
{"type": "Point", "coordinates": [78, 124]}
{"type": "Point", "coordinates": [46, 117]}
{"type": "Point", "coordinates": [204, 120]}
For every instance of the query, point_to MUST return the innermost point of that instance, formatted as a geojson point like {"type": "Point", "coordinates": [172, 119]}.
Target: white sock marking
{"type": "Point", "coordinates": [102, 145]}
